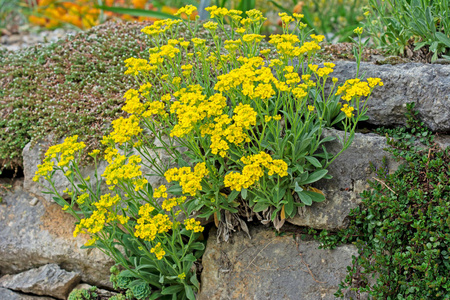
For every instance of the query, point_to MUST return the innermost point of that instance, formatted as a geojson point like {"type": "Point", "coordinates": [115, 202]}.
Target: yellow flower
{"type": "Point", "coordinates": [158, 251]}
{"type": "Point", "coordinates": [160, 192]}
{"type": "Point", "coordinates": [182, 276]}
{"type": "Point", "coordinates": [348, 110]}
{"type": "Point", "coordinates": [310, 107]}
{"type": "Point", "coordinates": [192, 224]}
{"type": "Point", "coordinates": [358, 30]}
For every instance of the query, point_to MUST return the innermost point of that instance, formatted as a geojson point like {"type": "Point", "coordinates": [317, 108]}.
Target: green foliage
{"type": "Point", "coordinates": [393, 24]}
{"type": "Point", "coordinates": [82, 294]}
{"type": "Point", "coordinates": [140, 290]}
{"type": "Point", "coordinates": [402, 229]}
{"type": "Point", "coordinates": [336, 19]}
{"type": "Point", "coordinates": [11, 12]}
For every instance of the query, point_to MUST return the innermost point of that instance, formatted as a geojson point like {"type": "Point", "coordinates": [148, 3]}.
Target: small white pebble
{"type": "Point", "coordinates": [34, 201]}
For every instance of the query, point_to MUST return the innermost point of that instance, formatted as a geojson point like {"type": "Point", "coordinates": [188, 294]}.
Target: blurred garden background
{"type": "Point", "coordinates": [398, 27]}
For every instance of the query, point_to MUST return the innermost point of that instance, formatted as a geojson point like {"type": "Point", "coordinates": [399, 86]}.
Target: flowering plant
{"type": "Point", "coordinates": [233, 130]}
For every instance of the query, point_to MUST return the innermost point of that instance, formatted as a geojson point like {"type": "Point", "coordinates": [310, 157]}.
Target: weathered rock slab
{"type": "Point", "coordinates": [428, 85]}
{"type": "Point", "coordinates": [271, 267]}
{"type": "Point", "coordinates": [32, 236]}
{"type": "Point", "coordinates": [48, 280]}
{"type": "Point", "coordinates": [350, 172]}
{"type": "Point", "coordinates": [6, 294]}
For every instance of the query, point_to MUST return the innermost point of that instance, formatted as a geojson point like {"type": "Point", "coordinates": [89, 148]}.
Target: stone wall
{"type": "Point", "coordinates": [40, 258]}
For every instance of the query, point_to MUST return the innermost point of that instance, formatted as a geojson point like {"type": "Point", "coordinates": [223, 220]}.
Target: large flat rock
{"type": "Point", "coordinates": [428, 85]}
{"type": "Point", "coordinates": [48, 280]}
{"type": "Point", "coordinates": [6, 294]}
{"type": "Point", "coordinates": [269, 267]}
{"type": "Point", "coordinates": [350, 172]}
{"type": "Point", "coordinates": [33, 234]}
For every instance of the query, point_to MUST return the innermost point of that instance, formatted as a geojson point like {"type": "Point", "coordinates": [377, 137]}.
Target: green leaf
{"type": "Point", "coordinates": [315, 176]}
{"type": "Point", "coordinates": [189, 292]}
{"type": "Point", "coordinates": [190, 257]}
{"type": "Point", "coordinates": [244, 193]}
{"type": "Point", "coordinates": [316, 197]}
{"type": "Point", "coordinates": [155, 295]}
{"type": "Point", "coordinates": [289, 206]}
{"type": "Point", "coordinates": [232, 196]}
{"type": "Point", "coordinates": [443, 38]}
{"type": "Point", "coordinates": [297, 187]}
{"type": "Point", "coordinates": [305, 198]}
{"type": "Point", "coordinates": [260, 206]}
{"type": "Point", "coordinates": [278, 193]}
{"type": "Point", "coordinates": [138, 12]}
{"type": "Point", "coordinates": [197, 246]}
{"type": "Point", "coordinates": [194, 281]}
{"type": "Point", "coordinates": [314, 161]}
{"type": "Point", "coordinates": [170, 290]}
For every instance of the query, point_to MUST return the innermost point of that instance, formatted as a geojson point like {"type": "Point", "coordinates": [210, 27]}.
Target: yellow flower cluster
{"type": "Point", "coordinates": [192, 224]}
{"type": "Point", "coordinates": [355, 88]}
{"type": "Point", "coordinates": [159, 27]}
{"type": "Point", "coordinates": [348, 110]}
{"type": "Point", "coordinates": [217, 12]}
{"type": "Point", "coordinates": [93, 224]}
{"type": "Point", "coordinates": [188, 10]}
{"type": "Point", "coordinates": [322, 72]}
{"type": "Point", "coordinates": [222, 131]}
{"type": "Point", "coordinates": [168, 204]}
{"type": "Point", "coordinates": [82, 198]}
{"type": "Point", "coordinates": [160, 192]}
{"type": "Point", "coordinates": [106, 201]}
{"type": "Point", "coordinates": [190, 181]}
{"type": "Point", "coordinates": [149, 226]}
{"type": "Point", "coordinates": [253, 171]}
{"type": "Point", "coordinates": [287, 45]}
{"type": "Point", "coordinates": [119, 170]}
{"type": "Point", "coordinates": [158, 251]}
{"type": "Point", "coordinates": [192, 106]}
{"type": "Point", "coordinates": [136, 65]}
{"type": "Point", "coordinates": [64, 152]}
{"type": "Point", "coordinates": [123, 130]}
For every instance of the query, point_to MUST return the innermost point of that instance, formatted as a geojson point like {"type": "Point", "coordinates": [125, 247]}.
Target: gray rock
{"type": "Point", "coordinates": [32, 236]}
{"type": "Point", "coordinates": [350, 172]}
{"type": "Point", "coordinates": [428, 85]}
{"type": "Point", "coordinates": [48, 280]}
{"type": "Point", "coordinates": [6, 294]}
{"type": "Point", "coordinates": [271, 267]}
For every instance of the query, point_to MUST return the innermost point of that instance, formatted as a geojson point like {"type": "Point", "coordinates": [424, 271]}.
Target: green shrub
{"type": "Point", "coordinates": [402, 230]}
{"type": "Point", "coordinates": [243, 129]}
{"type": "Point", "coordinates": [393, 24]}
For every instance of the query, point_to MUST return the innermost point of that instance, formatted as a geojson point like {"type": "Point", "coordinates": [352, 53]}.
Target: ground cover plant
{"type": "Point", "coordinates": [394, 25]}
{"type": "Point", "coordinates": [402, 228]}
{"type": "Point", "coordinates": [231, 127]}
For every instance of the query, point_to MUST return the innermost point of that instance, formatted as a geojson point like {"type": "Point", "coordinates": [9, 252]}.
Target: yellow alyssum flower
{"type": "Point", "coordinates": [192, 224]}
{"type": "Point", "coordinates": [190, 181]}
{"type": "Point", "coordinates": [253, 171]}
{"type": "Point", "coordinates": [358, 30]}
{"type": "Point", "coordinates": [348, 110]}
{"type": "Point", "coordinates": [125, 129]}
{"type": "Point", "coordinates": [148, 227]}
{"type": "Point", "coordinates": [217, 12]}
{"type": "Point", "coordinates": [160, 192]}
{"type": "Point", "coordinates": [158, 251]}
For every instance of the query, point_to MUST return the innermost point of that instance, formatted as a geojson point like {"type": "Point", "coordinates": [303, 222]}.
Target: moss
{"type": "Point", "coordinates": [71, 87]}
